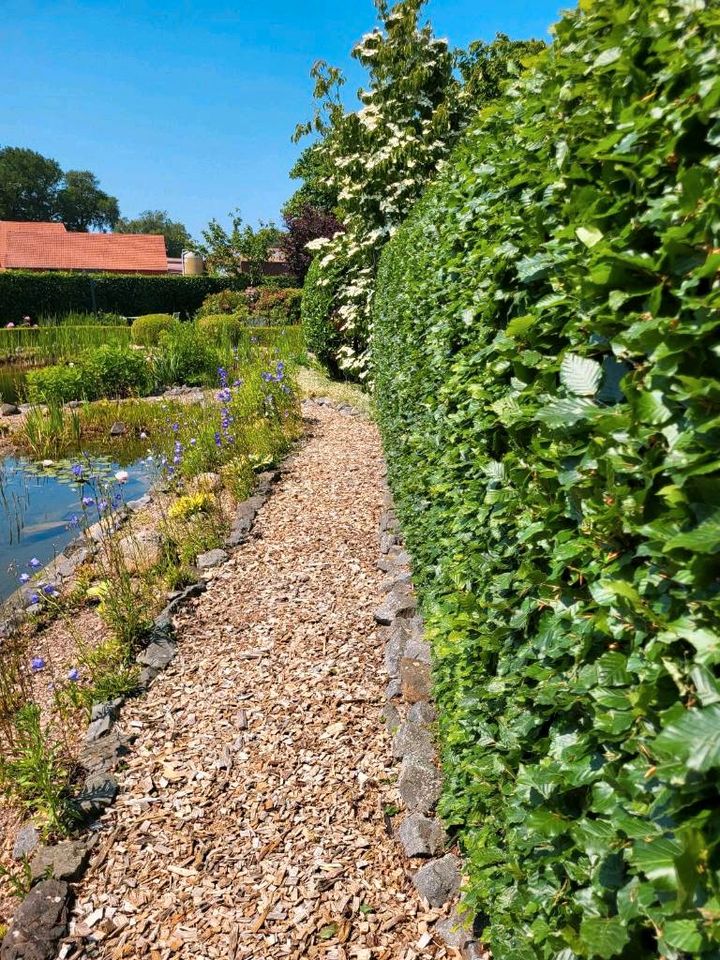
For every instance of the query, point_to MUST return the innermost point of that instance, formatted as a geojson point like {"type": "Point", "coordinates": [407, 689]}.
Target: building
{"type": "Point", "coordinates": [49, 246]}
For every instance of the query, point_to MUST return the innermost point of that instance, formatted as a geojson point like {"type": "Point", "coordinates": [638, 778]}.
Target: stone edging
{"type": "Point", "coordinates": [410, 716]}
{"type": "Point", "coordinates": [41, 921]}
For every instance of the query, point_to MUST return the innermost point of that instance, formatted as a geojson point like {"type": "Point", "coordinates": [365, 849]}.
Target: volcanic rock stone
{"type": "Point", "coordinates": [421, 836]}
{"type": "Point", "coordinates": [391, 716]}
{"type": "Point", "coordinates": [158, 654]}
{"type": "Point", "coordinates": [108, 708]}
{"type": "Point", "coordinates": [422, 712]}
{"type": "Point", "coordinates": [9, 410]}
{"type": "Point", "coordinates": [99, 791]}
{"type": "Point", "coordinates": [456, 930]}
{"type": "Point", "coordinates": [99, 728]}
{"type": "Point", "coordinates": [62, 861]}
{"type": "Point", "coordinates": [419, 784]}
{"type": "Point", "coordinates": [134, 506]}
{"type": "Point", "coordinates": [213, 558]}
{"type": "Point", "coordinates": [104, 754]}
{"type": "Point", "coordinates": [26, 840]}
{"type": "Point", "coordinates": [141, 550]}
{"type": "Point", "coordinates": [400, 602]}
{"type": "Point", "coordinates": [39, 924]}
{"type": "Point", "coordinates": [415, 673]}
{"type": "Point", "coordinates": [413, 740]}
{"type": "Point", "coordinates": [438, 880]}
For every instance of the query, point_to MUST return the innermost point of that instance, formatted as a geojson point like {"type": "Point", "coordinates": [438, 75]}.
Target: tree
{"type": "Point", "coordinates": [29, 185]}
{"type": "Point", "coordinates": [82, 205]}
{"type": "Point", "coordinates": [176, 235]}
{"type": "Point", "coordinates": [307, 224]}
{"type": "Point", "coordinates": [317, 189]}
{"type": "Point", "coordinates": [378, 160]}
{"type": "Point", "coordinates": [242, 251]}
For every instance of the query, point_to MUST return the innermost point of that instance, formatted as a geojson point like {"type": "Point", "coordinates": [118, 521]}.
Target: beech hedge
{"type": "Point", "coordinates": [547, 368]}
{"type": "Point", "coordinates": [34, 293]}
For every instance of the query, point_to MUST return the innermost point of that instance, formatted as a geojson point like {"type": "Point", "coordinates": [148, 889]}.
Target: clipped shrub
{"type": "Point", "coordinates": [278, 307]}
{"type": "Point", "coordinates": [146, 331]}
{"type": "Point", "coordinates": [221, 327]}
{"type": "Point", "coordinates": [226, 301]}
{"type": "Point", "coordinates": [547, 383]}
{"type": "Point", "coordinates": [36, 293]}
{"type": "Point", "coordinates": [320, 323]}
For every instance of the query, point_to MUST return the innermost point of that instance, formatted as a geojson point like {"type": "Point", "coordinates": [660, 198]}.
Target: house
{"type": "Point", "coordinates": [49, 246]}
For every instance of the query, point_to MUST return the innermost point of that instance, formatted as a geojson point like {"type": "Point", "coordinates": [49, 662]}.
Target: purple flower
{"type": "Point", "coordinates": [218, 440]}
{"type": "Point", "coordinates": [175, 427]}
{"type": "Point", "coordinates": [24, 577]}
{"type": "Point", "coordinates": [49, 590]}
{"type": "Point", "coordinates": [87, 501]}
{"type": "Point", "coordinates": [74, 521]}
{"type": "Point", "coordinates": [102, 506]}
{"type": "Point", "coordinates": [77, 470]}
{"type": "Point", "coordinates": [37, 664]}
{"type": "Point", "coordinates": [34, 563]}
{"type": "Point", "coordinates": [267, 377]}
{"type": "Point", "coordinates": [193, 442]}
{"type": "Point", "coordinates": [73, 675]}
{"type": "Point", "coordinates": [34, 598]}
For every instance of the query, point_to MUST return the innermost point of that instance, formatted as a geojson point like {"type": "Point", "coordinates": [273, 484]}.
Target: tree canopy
{"type": "Point", "coordinates": [176, 235]}
{"type": "Point", "coordinates": [243, 250]}
{"type": "Point", "coordinates": [34, 188]}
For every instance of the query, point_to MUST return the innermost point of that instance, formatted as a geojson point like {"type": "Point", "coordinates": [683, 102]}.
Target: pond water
{"type": "Point", "coordinates": [37, 505]}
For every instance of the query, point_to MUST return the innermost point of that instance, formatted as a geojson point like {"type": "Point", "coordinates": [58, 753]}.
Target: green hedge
{"type": "Point", "coordinates": [29, 293]}
{"type": "Point", "coordinates": [322, 333]}
{"type": "Point", "coordinates": [548, 386]}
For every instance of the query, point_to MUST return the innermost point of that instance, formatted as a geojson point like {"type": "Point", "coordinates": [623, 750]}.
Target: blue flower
{"type": "Point", "coordinates": [37, 664]}
{"type": "Point", "coordinates": [34, 563]}
{"type": "Point", "coordinates": [77, 470]}
{"type": "Point", "coordinates": [73, 675]}
{"type": "Point", "coordinates": [74, 521]}
{"type": "Point", "coordinates": [49, 590]}
{"type": "Point", "coordinates": [24, 577]}
{"type": "Point", "coordinates": [218, 440]}
{"type": "Point", "coordinates": [87, 501]}
{"type": "Point", "coordinates": [267, 377]}
{"type": "Point", "coordinates": [175, 427]}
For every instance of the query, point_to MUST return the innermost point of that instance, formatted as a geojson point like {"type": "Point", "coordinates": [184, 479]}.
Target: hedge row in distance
{"type": "Point", "coordinates": [548, 384]}
{"type": "Point", "coordinates": [34, 293]}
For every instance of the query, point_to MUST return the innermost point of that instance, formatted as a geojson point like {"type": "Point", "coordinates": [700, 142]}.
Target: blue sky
{"type": "Point", "coordinates": [189, 106]}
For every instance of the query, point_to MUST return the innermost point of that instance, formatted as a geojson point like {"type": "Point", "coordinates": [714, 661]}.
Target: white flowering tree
{"type": "Point", "coordinates": [380, 157]}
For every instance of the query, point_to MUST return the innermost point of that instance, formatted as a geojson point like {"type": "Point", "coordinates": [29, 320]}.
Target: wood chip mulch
{"type": "Point", "coordinates": [252, 821]}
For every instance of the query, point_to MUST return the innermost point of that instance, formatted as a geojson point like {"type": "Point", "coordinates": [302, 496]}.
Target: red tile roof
{"type": "Point", "coordinates": [49, 246]}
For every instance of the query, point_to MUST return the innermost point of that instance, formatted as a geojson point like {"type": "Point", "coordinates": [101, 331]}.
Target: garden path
{"type": "Point", "coordinates": [251, 819]}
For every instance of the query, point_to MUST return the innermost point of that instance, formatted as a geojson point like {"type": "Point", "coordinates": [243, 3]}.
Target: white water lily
{"type": "Point", "coordinates": [122, 476]}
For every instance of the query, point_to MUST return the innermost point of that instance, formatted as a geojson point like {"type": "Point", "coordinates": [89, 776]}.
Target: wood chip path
{"type": "Point", "coordinates": [252, 818]}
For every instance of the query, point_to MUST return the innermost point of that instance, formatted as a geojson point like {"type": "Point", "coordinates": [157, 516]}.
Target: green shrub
{"type": "Point", "coordinates": [320, 325]}
{"type": "Point", "coordinates": [221, 328]}
{"type": "Point", "coordinates": [185, 356]}
{"type": "Point", "coordinates": [227, 301]}
{"type": "Point", "coordinates": [34, 294]}
{"type": "Point", "coordinates": [107, 371]}
{"type": "Point", "coordinates": [147, 330]}
{"type": "Point", "coordinates": [548, 384]}
{"type": "Point", "coordinates": [278, 307]}
{"type": "Point", "coordinates": [59, 384]}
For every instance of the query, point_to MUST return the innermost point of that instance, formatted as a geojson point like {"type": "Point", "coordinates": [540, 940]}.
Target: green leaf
{"type": "Point", "coordinates": [694, 739]}
{"type": "Point", "coordinates": [705, 538]}
{"type": "Point", "coordinates": [604, 937]}
{"type": "Point", "coordinates": [590, 236]}
{"type": "Point", "coordinates": [607, 57]}
{"type": "Point", "coordinates": [580, 375]}
{"type": "Point", "coordinates": [683, 935]}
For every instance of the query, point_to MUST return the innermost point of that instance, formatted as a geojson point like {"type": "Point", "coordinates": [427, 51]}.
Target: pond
{"type": "Point", "coordinates": [37, 506]}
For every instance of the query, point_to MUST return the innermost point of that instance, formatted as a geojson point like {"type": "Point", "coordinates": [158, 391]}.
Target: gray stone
{"type": "Point", "coordinates": [99, 728]}
{"type": "Point", "coordinates": [395, 559]}
{"type": "Point", "coordinates": [104, 754]}
{"type": "Point", "coordinates": [61, 861]}
{"type": "Point", "coordinates": [413, 740]}
{"type": "Point", "coordinates": [205, 483]}
{"type": "Point", "coordinates": [388, 539]}
{"type": "Point", "coordinates": [474, 951]}
{"type": "Point", "coordinates": [163, 622]}
{"type": "Point", "coordinates": [421, 837]}
{"type": "Point", "coordinates": [266, 479]}
{"type": "Point", "coordinates": [158, 654]}
{"type": "Point", "coordinates": [213, 558]}
{"type": "Point", "coordinates": [419, 783]}
{"type": "Point", "coordinates": [388, 520]}
{"type": "Point", "coordinates": [456, 930]}
{"type": "Point", "coordinates": [98, 792]}
{"type": "Point", "coordinates": [146, 677]}
{"type": "Point", "coordinates": [109, 708]}
{"type": "Point", "coordinates": [39, 924]}
{"type": "Point", "coordinates": [403, 578]}
{"type": "Point", "coordinates": [33, 609]}
{"type": "Point", "coordinates": [415, 679]}
{"type": "Point", "coordinates": [397, 639]}
{"type": "Point", "coordinates": [393, 691]}
{"type": "Point", "coordinates": [118, 429]}
{"type": "Point", "coordinates": [438, 880]}
{"type": "Point", "coordinates": [391, 716]}
{"type": "Point", "coordinates": [135, 506]}
{"type": "Point", "coordinates": [400, 602]}
{"type": "Point", "coordinates": [141, 550]}
{"type": "Point", "coordinates": [9, 409]}
{"type": "Point", "coordinates": [26, 840]}
{"type": "Point", "coordinates": [422, 712]}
